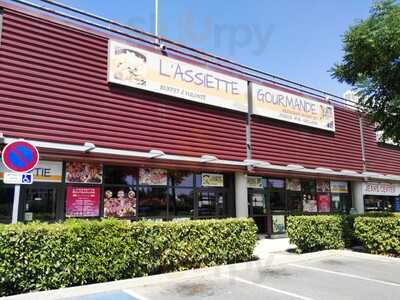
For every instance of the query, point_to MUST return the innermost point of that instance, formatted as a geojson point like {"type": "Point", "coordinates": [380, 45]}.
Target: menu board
{"type": "Point", "coordinates": [149, 176]}
{"type": "Point", "coordinates": [82, 201]}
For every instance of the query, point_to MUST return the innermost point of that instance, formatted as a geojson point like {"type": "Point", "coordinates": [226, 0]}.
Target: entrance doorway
{"type": "Point", "coordinates": [41, 203]}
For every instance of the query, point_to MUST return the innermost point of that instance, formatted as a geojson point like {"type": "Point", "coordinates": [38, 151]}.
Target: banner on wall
{"type": "Point", "coordinates": [148, 176]}
{"type": "Point", "coordinates": [138, 68]}
{"type": "Point", "coordinates": [45, 171]}
{"type": "Point", "coordinates": [339, 187]}
{"type": "Point", "coordinates": [82, 201]}
{"type": "Point", "coordinates": [254, 182]}
{"type": "Point", "coordinates": [83, 172]}
{"type": "Point", "coordinates": [211, 179]}
{"type": "Point", "coordinates": [285, 106]}
{"type": "Point", "coordinates": [381, 188]}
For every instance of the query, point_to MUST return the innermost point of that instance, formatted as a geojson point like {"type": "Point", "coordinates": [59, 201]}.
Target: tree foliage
{"type": "Point", "coordinates": [371, 64]}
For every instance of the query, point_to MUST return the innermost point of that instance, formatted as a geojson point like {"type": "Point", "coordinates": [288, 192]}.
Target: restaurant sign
{"type": "Point", "coordinates": [45, 171]}
{"type": "Point", "coordinates": [285, 106]}
{"type": "Point", "coordinates": [381, 188]}
{"type": "Point", "coordinates": [138, 68]}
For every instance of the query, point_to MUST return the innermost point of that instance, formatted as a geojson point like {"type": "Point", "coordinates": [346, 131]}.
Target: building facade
{"type": "Point", "coordinates": [128, 129]}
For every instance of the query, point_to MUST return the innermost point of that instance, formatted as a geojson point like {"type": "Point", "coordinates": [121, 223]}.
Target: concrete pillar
{"type": "Point", "coordinates": [358, 196]}
{"type": "Point", "coordinates": [241, 195]}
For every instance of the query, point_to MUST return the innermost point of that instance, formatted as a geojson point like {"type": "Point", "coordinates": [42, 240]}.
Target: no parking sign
{"type": "Point", "coordinates": [20, 156]}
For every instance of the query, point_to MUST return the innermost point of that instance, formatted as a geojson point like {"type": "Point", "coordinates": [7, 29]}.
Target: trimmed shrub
{"type": "Point", "coordinates": [379, 235]}
{"type": "Point", "coordinates": [318, 232]}
{"type": "Point", "coordinates": [40, 256]}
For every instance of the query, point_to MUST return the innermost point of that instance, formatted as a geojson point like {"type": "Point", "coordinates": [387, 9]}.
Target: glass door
{"type": "Point", "coordinates": [211, 203]}
{"type": "Point", "coordinates": [40, 204]}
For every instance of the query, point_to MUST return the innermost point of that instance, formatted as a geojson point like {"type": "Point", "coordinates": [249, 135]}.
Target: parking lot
{"type": "Point", "coordinates": [324, 275]}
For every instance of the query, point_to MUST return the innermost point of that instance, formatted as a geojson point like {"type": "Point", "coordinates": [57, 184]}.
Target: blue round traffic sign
{"type": "Point", "coordinates": [20, 156]}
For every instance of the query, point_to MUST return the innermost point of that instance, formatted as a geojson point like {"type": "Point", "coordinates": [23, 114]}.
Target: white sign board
{"type": "Point", "coordinates": [290, 107]}
{"type": "Point", "coordinates": [381, 188]}
{"type": "Point", "coordinates": [142, 69]}
{"type": "Point", "coordinates": [18, 178]}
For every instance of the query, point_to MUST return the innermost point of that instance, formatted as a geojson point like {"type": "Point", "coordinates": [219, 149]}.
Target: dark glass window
{"type": "Point", "coordinates": [120, 175]}
{"type": "Point", "coordinates": [378, 203]}
{"type": "Point", "coordinates": [180, 179]}
{"type": "Point", "coordinates": [181, 202]}
{"type": "Point", "coordinates": [153, 202]}
{"type": "Point", "coordinates": [276, 189]}
{"type": "Point", "coordinates": [258, 203]}
{"type": "Point", "coordinates": [6, 202]}
{"type": "Point", "coordinates": [341, 202]}
{"type": "Point", "coordinates": [40, 204]}
{"type": "Point", "coordinates": [294, 200]}
{"type": "Point", "coordinates": [211, 203]}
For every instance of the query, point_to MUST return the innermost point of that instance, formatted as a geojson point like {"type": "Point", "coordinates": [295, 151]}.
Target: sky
{"type": "Point", "coordinates": [299, 40]}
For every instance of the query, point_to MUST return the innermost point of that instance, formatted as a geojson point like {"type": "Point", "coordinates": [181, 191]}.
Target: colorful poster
{"type": "Point", "coordinates": [309, 204]}
{"type": "Point", "coordinates": [290, 106]}
{"type": "Point", "coordinates": [120, 202]}
{"type": "Point", "coordinates": [278, 224]}
{"type": "Point", "coordinates": [149, 176]}
{"type": "Point", "coordinates": [324, 203]}
{"type": "Point", "coordinates": [83, 172]}
{"type": "Point", "coordinates": [211, 179]}
{"type": "Point", "coordinates": [45, 171]}
{"type": "Point", "coordinates": [293, 184]}
{"type": "Point", "coordinates": [323, 186]}
{"type": "Point", "coordinates": [339, 187]}
{"type": "Point", "coordinates": [254, 182]}
{"type": "Point", "coordinates": [82, 201]}
{"type": "Point", "coordinates": [142, 69]}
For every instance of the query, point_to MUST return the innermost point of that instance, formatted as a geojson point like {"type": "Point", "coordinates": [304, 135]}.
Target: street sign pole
{"type": "Point", "coordinates": [17, 192]}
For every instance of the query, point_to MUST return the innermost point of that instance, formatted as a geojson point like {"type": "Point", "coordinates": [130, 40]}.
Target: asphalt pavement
{"type": "Point", "coordinates": [323, 275]}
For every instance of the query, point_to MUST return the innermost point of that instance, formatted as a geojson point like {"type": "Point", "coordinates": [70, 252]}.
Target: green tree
{"type": "Point", "coordinates": [371, 64]}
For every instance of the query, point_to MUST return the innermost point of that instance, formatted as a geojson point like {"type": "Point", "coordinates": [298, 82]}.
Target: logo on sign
{"type": "Point", "coordinates": [20, 156]}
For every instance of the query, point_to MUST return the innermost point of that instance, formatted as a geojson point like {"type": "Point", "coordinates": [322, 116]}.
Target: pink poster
{"type": "Point", "coordinates": [324, 203]}
{"type": "Point", "coordinates": [83, 201]}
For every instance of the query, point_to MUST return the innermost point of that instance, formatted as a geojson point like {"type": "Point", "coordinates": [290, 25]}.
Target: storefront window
{"type": "Point", "coordinates": [379, 203]}
{"type": "Point", "coordinates": [181, 202]}
{"type": "Point", "coordinates": [276, 189]}
{"type": "Point", "coordinates": [340, 196]}
{"type": "Point", "coordinates": [308, 196]}
{"type": "Point", "coordinates": [40, 204]}
{"type": "Point", "coordinates": [153, 202]}
{"type": "Point", "coordinates": [6, 202]}
{"type": "Point", "coordinates": [294, 195]}
{"type": "Point", "coordinates": [258, 203]}
{"type": "Point", "coordinates": [120, 175]}
{"type": "Point", "coordinates": [181, 179]}
{"type": "Point", "coordinates": [211, 203]}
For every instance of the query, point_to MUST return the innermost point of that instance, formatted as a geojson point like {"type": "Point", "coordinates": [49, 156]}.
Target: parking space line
{"type": "Point", "coordinates": [268, 288]}
{"type": "Point", "coordinates": [134, 295]}
{"type": "Point", "coordinates": [345, 274]}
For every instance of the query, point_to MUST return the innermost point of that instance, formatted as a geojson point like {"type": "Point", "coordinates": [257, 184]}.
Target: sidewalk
{"type": "Point", "coordinates": [265, 247]}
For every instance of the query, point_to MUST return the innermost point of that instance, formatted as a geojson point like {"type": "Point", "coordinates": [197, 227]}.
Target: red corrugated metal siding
{"type": "Point", "coordinates": [53, 87]}
{"type": "Point", "coordinates": [284, 143]}
{"type": "Point", "coordinates": [380, 158]}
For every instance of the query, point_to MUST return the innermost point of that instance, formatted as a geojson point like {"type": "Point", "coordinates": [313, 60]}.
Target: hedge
{"type": "Point", "coordinates": [41, 256]}
{"type": "Point", "coordinates": [313, 233]}
{"type": "Point", "coordinates": [379, 235]}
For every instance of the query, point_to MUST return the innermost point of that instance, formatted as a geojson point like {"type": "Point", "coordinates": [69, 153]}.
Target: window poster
{"type": "Point", "coordinates": [258, 200]}
{"type": "Point", "coordinates": [339, 187]}
{"type": "Point", "coordinates": [278, 224]}
{"type": "Point", "coordinates": [210, 179]}
{"type": "Point", "coordinates": [336, 201]}
{"type": "Point", "coordinates": [323, 186]}
{"type": "Point", "coordinates": [309, 203]}
{"type": "Point", "coordinates": [324, 203]}
{"type": "Point", "coordinates": [254, 182]}
{"type": "Point", "coordinates": [83, 172]}
{"type": "Point", "coordinates": [293, 184]}
{"type": "Point", "coordinates": [119, 202]}
{"type": "Point", "coordinates": [149, 176]}
{"type": "Point", "coordinates": [82, 201]}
